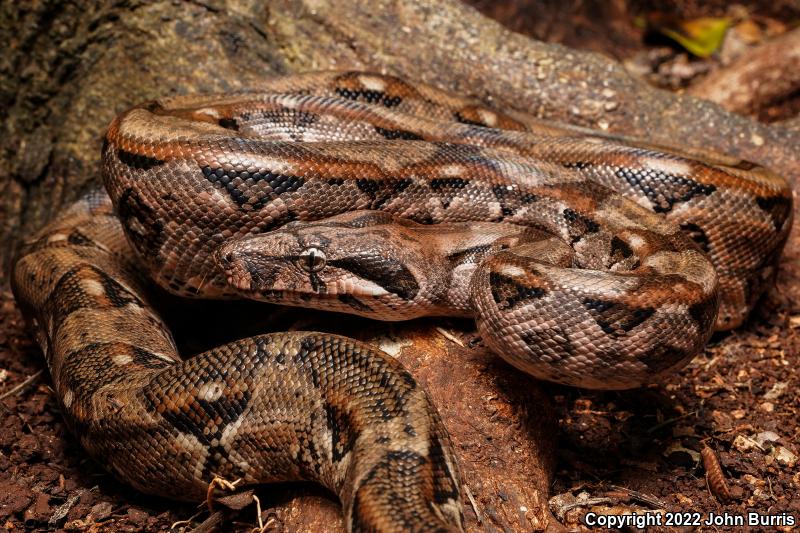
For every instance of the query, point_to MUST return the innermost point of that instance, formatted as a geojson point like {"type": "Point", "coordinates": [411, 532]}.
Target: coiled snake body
{"type": "Point", "coordinates": [368, 194]}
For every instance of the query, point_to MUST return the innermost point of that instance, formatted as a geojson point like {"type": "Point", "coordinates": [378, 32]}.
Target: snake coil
{"type": "Point", "coordinates": [585, 258]}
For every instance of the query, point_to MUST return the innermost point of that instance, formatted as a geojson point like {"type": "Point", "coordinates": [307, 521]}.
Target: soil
{"type": "Point", "coordinates": [618, 452]}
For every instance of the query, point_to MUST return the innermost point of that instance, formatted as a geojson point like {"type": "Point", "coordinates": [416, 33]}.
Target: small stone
{"type": "Point", "coordinates": [738, 414]}
{"type": "Point", "coordinates": [101, 511]}
{"type": "Point", "coordinates": [766, 436]}
{"type": "Point", "coordinates": [767, 407]}
{"type": "Point", "coordinates": [761, 494]}
{"type": "Point", "coordinates": [776, 391]}
{"type": "Point", "coordinates": [784, 457]}
{"type": "Point", "coordinates": [744, 444]}
{"type": "Point", "coordinates": [137, 518]}
{"type": "Point", "coordinates": [750, 479]}
{"type": "Point", "coordinates": [393, 346]}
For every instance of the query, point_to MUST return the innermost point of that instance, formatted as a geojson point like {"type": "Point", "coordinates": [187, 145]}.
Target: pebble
{"type": "Point", "coordinates": [776, 391]}
{"type": "Point", "coordinates": [766, 436]}
{"type": "Point", "coordinates": [784, 457]}
{"type": "Point", "coordinates": [101, 511]}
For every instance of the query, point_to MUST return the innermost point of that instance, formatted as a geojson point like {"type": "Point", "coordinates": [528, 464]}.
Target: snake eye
{"type": "Point", "coordinates": [312, 259]}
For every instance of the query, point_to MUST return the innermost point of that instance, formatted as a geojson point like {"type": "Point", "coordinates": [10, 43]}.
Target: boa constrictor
{"type": "Point", "coordinates": [586, 259]}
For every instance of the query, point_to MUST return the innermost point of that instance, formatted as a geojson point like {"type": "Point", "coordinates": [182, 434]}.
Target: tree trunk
{"type": "Point", "coordinates": [760, 77]}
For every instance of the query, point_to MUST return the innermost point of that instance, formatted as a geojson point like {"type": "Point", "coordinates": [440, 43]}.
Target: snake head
{"type": "Point", "coordinates": [340, 264]}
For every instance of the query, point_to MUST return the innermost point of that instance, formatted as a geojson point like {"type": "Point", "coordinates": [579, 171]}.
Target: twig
{"type": "Point", "coordinates": [30, 379]}
{"type": "Point", "coordinates": [222, 483]}
{"type": "Point", "coordinates": [262, 526]}
{"type": "Point", "coordinates": [589, 502]}
{"type": "Point", "coordinates": [449, 336]}
{"type": "Point", "coordinates": [258, 514]}
{"type": "Point", "coordinates": [210, 524]}
{"type": "Point", "coordinates": [640, 497]}
{"type": "Point", "coordinates": [474, 505]}
{"type": "Point", "coordinates": [185, 523]}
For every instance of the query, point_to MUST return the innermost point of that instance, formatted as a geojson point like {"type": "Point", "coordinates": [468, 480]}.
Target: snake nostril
{"type": "Point", "coordinates": [225, 259]}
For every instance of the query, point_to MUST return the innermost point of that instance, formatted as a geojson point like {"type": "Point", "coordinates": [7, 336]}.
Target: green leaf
{"type": "Point", "coordinates": [701, 36]}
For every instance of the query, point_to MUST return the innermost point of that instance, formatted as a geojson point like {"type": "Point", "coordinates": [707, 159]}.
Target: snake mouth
{"type": "Point", "coordinates": [239, 283]}
{"type": "Point", "coordinates": [231, 269]}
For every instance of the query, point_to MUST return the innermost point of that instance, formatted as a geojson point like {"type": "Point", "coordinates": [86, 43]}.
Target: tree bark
{"type": "Point", "coordinates": [762, 76]}
{"type": "Point", "coordinates": [792, 124]}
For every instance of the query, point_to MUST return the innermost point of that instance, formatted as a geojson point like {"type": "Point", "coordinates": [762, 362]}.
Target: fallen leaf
{"type": "Point", "coordinates": [701, 36]}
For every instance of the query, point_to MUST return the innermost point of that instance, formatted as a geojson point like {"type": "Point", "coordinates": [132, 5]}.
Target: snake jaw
{"type": "Point", "coordinates": [357, 288]}
{"type": "Point", "coordinates": [234, 270]}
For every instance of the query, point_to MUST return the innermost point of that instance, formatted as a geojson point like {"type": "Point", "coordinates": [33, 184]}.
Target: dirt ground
{"type": "Point", "coordinates": [732, 412]}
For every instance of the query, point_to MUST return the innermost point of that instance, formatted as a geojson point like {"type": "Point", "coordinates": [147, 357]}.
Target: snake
{"type": "Point", "coordinates": [585, 258]}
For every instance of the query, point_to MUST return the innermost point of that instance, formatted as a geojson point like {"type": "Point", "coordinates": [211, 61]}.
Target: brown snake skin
{"type": "Point", "coordinates": [427, 204]}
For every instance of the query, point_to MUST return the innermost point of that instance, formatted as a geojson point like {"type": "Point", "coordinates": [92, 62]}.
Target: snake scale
{"type": "Point", "coordinates": [585, 258]}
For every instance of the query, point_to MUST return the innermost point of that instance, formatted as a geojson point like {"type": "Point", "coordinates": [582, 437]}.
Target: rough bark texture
{"type": "Point", "coordinates": [68, 69]}
{"type": "Point", "coordinates": [793, 124]}
{"type": "Point", "coordinates": [760, 77]}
